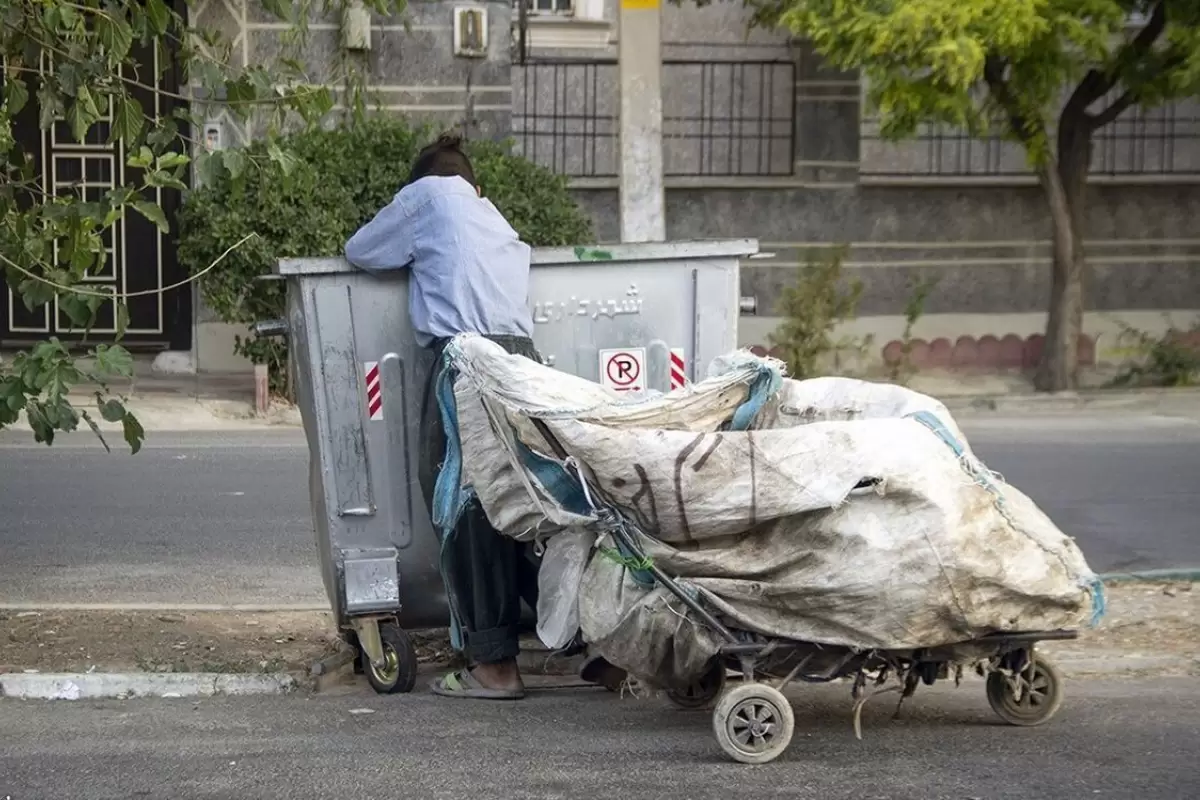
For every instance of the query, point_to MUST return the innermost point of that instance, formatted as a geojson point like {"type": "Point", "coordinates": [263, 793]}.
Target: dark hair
{"type": "Point", "coordinates": [445, 157]}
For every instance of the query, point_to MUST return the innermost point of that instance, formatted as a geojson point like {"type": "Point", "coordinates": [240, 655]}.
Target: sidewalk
{"type": "Point", "coordinates": [202, 402]}
{"type": "Point", "coordinates": [1150, 628]}
{"type": "Point", "coordinates": [225, 401]}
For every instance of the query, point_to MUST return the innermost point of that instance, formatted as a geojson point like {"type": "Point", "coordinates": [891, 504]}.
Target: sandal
{"type": "Point", "coordinates": [463, 684]}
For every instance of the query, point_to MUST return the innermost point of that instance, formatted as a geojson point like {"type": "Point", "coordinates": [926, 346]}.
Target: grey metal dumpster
{"type": "Point", "coordinates": [631, 316]}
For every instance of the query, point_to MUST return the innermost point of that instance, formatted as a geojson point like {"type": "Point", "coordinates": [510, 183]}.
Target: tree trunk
{"type": "Point", "coordinates": [1064, 180]}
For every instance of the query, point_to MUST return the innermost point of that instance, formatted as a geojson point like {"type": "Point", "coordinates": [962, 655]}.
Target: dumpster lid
{"type": "Point", "coordinates": [562, 256]}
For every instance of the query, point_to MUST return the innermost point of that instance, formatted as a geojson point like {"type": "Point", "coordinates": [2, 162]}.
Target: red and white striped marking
{"type": "Point", "coordinates": [678, 374]}
{"type": "Point", "coordinates": [374, 390]}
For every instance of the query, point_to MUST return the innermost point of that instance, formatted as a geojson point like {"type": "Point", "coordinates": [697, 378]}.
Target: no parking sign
{"type": "Point", "coordinates": [623, 369]}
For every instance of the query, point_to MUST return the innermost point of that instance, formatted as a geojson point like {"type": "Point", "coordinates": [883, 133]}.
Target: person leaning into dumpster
{"type": "Point", "coordinates": [470, 274]}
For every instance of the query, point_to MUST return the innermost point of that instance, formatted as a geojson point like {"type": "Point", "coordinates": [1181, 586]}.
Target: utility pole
{"type": "Point", "coordinates": [639, 63]}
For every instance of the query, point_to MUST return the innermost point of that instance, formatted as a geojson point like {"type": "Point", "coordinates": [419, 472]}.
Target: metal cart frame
{"type": "Point", "coordinates": [753, 720]}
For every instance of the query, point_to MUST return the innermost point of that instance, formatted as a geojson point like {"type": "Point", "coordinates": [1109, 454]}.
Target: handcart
{"type": "Point", "coordinates": [753, 720]}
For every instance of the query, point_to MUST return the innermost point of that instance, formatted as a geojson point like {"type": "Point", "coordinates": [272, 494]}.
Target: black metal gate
{"type": "Point", "coordinates": [141, 260]}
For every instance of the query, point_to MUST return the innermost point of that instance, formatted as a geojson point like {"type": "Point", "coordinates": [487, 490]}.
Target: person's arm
{"type": "Point", "coordinates": [386, 242]}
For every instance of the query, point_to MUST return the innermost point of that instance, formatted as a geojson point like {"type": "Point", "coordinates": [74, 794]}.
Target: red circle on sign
{"type": "Point", "coordinates": [622, 369]}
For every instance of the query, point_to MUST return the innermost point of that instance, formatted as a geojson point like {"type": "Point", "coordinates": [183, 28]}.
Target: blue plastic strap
{"type": "Point", "coordinates": [931, 421]}
{"type": "Point", "coordinates": [977, 472]}
{"type": "Point", "coordinates": [1099, 602]}
{"type": "Point", "coordinates": [765, 384]}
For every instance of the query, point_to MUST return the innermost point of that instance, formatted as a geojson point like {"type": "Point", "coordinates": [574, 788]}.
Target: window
{"type": "Point", "coordinates": [539, 7]}
{"type": "Point", "coordinates": [570, 24]}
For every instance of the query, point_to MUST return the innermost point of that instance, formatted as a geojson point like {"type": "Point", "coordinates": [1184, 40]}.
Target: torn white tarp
{"type": "Point", "coordinates": [830, 510]}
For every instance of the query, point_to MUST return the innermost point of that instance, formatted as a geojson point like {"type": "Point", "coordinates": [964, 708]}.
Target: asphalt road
{"type": "Point", "coordinates": [1116, 739]}
{"type": "Point", "coordinates": [224, 517]}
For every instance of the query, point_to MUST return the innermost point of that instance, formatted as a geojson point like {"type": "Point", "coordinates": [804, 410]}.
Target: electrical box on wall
{"type": "Point", "coordinates": [356, 26]}
{"type": "Point", "coordinates": [470, 32]}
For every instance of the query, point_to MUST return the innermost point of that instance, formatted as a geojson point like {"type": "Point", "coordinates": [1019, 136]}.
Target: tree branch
{"type": "Point", "coordinates": [1096, 84]}
{"type": "Point", "coordinates": [993, 75]}
{"type": "Point", "coordinates": [1116, 109]}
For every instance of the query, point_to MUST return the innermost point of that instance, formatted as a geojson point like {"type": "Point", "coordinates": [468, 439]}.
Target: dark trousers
{"type": "Point", "coordinates": [487, 573]}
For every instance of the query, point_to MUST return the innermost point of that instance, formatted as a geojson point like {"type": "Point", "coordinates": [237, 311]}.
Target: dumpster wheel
{"type": "Point", "coordinates": [398, 673]}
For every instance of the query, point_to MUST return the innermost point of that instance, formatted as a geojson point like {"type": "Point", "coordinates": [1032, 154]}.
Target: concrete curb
{"type": "Point", "coordinates": [1151, 575]}
{"type": "Point", "coordinates": [1164, 400]}
{"type": "Point", "coordinates": [180, 608]}
{"type": "Point", "coordinates": [101, 685]}
{"type": "Point", "coordinates": [1124, 665]}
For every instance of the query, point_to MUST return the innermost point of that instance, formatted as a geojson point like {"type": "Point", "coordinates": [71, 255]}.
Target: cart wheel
{"type": "Point", "coordinates": [399, 671]}
{"type": "Point", "coordinates": [703, 691]}
{"type": "Point", "coordinates": [1039, 701]}
{"type": "Point", "coordinates": [754, 723]}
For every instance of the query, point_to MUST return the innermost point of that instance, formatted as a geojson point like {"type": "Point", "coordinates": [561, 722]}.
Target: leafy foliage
{"type": "Point", "coordinates": [979, 63]}
{"type": "Point", "coordinates": [811, 307]}
{"type": "Point", "coordinates": [902, 369]}
{"type": "Point", "coordinates": [1170, 360]}
{"type": "Point", "coordinates": [1044, 73]}
{"type": "Point", "coordinates": [89, 65]}
{"type": "Point", "coordinates": [339, 179]}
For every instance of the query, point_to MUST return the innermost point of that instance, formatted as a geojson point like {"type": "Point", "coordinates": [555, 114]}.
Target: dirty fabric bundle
{"type": "Point", "coordinates": [831, 510]}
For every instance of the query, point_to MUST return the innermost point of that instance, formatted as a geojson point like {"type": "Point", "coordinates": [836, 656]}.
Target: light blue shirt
{"type": "Point", "coordinates": [470, 270]}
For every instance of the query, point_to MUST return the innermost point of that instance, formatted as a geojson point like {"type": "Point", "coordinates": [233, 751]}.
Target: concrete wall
{"type": "Point", "coordinates": [987, 248]}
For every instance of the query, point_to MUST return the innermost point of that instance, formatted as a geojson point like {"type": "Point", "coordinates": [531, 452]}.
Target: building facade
{"type": "Point", "coordinates": [761, 139]}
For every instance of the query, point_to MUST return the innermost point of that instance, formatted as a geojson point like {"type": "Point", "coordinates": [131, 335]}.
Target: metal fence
{"type": "Point", "coordinates": [1157, 141]}
{"type": "Point", "coordinates": [720, 118]}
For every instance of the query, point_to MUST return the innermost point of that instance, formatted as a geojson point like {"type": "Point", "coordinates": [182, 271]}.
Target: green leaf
{"type": "Point", "coordinates": [39, 421]}
{"type": "Point", "coordinates": [281, 9]}
{"type": "Point", "coordinates": [16, 94]}
{"type": "Point", "coordinates": [112, 359]}
{"type": "Point", "coordinates": [210, 167]}
{"type": "Point", "coordinates": [235, 163]}
{"type": "Point", "coordinates": [159, 15]}
{"type": "Point", "coordinates": [135, 434]}
{"type": "Point", "coordinates": [50, 104]}
{"type": "Point", "coordinates": [115, 34]}
{"type": "Point", "coordinates": [112, 410]}
{"type": "Point", "coordinates": [165, 180]}
{"type": "Point", "coordinates": [35, 294]}
{"type": "Point", "coordinates": [286, 161]}
{"type": "Point", "coordinates": [67, 15]}
{"type": "Point", "coordinates": [172, 160]}
{"type": "Point", "coordinates": [77, 308]}
{"type": "Point", "coordinates": [128, 119]}
{"type": "Point", "coordinates": [154, 213]}
{"type": "Point", "coordinates": [142, 159]}
{"type": "Point", "coordinates": [79, 115]}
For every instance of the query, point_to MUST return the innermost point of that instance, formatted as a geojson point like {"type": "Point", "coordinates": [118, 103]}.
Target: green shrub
{"type": "Point", "coordinates": [1169, 360]}
{"type": "Point", "coordinates": [811, 307]}
{"type": "Point", "coordinates": [339, 179]}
